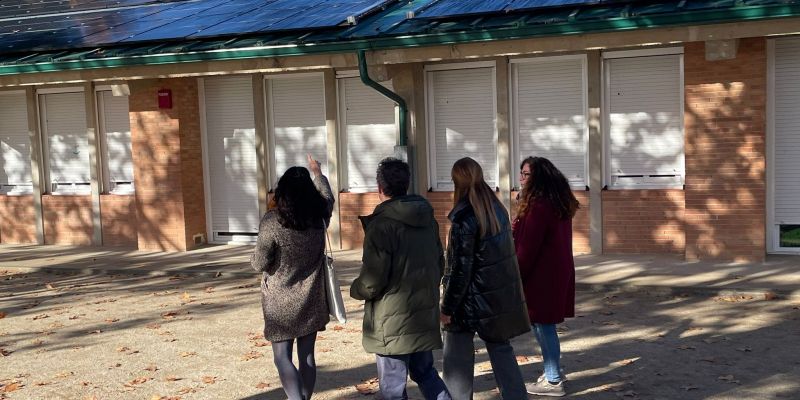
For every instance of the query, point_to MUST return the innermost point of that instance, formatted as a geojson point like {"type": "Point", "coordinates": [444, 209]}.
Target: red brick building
{"type": "Point", "coordinates": [676, 124]}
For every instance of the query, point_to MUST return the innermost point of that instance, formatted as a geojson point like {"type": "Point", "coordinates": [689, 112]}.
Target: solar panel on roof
{"type": "Point", "coordinates": [57, 24]}
{"type": "Point", "coordinates": [459, 8]}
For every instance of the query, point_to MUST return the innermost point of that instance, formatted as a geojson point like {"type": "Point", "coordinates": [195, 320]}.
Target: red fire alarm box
{"type": "Point", "coordinates": [164, 98]}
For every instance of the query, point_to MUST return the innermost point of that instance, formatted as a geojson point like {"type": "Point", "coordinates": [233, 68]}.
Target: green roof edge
{"type": "Point", "coordinates": [748, 13]}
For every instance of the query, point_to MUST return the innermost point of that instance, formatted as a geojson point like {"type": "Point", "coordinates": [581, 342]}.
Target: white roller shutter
{"type": "Point", "coordinates": [463, 113]}
{"type": "Point", "coordinates": [787, 131]}
{"type": "Point", "coordinates": [15, 145]}
{"type": "Point", "coordinates": [297, 107]}
{"type": "Point", "coordinates": [232, 157]}
{"type": "Point", "coordinates": [116, 126]}
{"type": "Point", "coordinates": [369, 123]}
{"type": "Point", "coordinates": [64, 121]}
{"type": "Point", "coordinates": [550, 114]}
{"type": "Point", "coordinates": [644, 100]}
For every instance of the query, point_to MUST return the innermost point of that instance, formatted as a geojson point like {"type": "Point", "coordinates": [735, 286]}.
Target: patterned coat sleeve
{"type": "Point", "coordinates": [264, 258]}
{"type": "Point", "coordinates": [324, 188]}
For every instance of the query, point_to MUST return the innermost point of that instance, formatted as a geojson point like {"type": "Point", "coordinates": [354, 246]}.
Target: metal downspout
{"type": "Point", "coordinates": [403, 109]}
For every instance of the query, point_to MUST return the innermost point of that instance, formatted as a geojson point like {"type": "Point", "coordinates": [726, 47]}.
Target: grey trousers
{"type": "Point", "coordinates": [394, 370]}
{"type": "Point", "coordinates": [459, 367]}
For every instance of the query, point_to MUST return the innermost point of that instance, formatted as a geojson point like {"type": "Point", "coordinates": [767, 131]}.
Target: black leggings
{"type": "Point", "coordinates": [298, 384]}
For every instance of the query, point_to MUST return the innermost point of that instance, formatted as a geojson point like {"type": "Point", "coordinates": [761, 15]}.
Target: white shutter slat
{"type": "Point", "coordinates": [463, 113]}
{"type": "Point", "coordinates": [68, 141]}
{"type": "Point", "coordinates": [298, 113]}
{"type": "Point", "coordinates": [787, 131]}
{"type": "Point", "coordinates": [117, 126]}
{"type": "Point", "coordinates": [644, 105]}
{"type": "Point", "coordinates": [15, 148]}
{"type": "Point", "coordinates": [370, 130]}
{"type": "Point", "coordinates": [232, 157]}
{"type": "Point", "coordinates": [550, 115]}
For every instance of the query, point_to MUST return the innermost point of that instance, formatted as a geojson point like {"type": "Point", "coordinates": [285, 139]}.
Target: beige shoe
{"type": "Point", "coordinates": [544, 388]}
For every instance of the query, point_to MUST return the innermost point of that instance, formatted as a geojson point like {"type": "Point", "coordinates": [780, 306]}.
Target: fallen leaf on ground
{"type": "Point", "coordinates": [153, 325]}
{"type": "Point", "coordinates": [210, 289]}
{"type": "Point", "coordinates": [11, 387]}
{"type": "Point", "coordinates": [369, 386]}
{"type": "Point", "coordinates": [251, 355]}
{"type": "Point", "coordinates": [95, 331]}
{"type": "Point", "coordinates": [64, 374]}
{"type": "Point", "coordinates": [171, 378]}
{"type": "Point", "coordinates": [2, 315]}
{"type": "Point", "coordinates": [338, 327]}
{"type": "Point", "coordinates": [186, 390]}
{"type": "Point", "coordinates": [169, 315]}
{"type": "Point", "coordinates": [522, 359]}
{"type": "Point", "coordinates": [188, 353]}
{"type": "Point", "coordinates": [686, 347]}
{"type": "Point", "coordinates": [43, 383]}
{"type": "Point", "coordinates": [689, 387]}
{"type": "Point", "coordinates": [744, 349]}
{"type": "Point", "coordinates": [262, 385]}
{"type": "Point", "coordinates": [630, 393]}
{"type": "Point", "coordinates": [50, 286]}
{"type": "Point", "coordinates": [151, 368]}
{"type": "Point", "coordinates": [138, 381]}
{"type": "Point", "coordinates": [209, 379]}
{"type": "Point", "coordinates": [40, 316]}
{"type": "Point", "coordinates": [4, 352]}
{"type": "Point", "coordinates": [123, 349]}
{"type": "Point", "coordinates": [261, 344]}
{"type": "Point", "coordinates": [112, 320]}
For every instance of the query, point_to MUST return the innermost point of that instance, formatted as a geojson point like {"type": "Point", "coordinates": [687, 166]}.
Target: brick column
{"type": "Point", "coordinates": [725, 153]}
{"type": "Point", "coordinates": [168, 168]}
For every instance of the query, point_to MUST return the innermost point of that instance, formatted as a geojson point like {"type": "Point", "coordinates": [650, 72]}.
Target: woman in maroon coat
{"type": "Point", "coordinates": [543, 240]}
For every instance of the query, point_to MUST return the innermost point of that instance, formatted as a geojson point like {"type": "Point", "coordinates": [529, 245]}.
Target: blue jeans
{"type": "Point", "coordinates": [394, 370]}
{"type": "Point", "coordinates": [547, 337]}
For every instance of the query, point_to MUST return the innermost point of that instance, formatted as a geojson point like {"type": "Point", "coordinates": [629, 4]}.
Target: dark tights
{"type": "Point", "coordinates": [297, 383]}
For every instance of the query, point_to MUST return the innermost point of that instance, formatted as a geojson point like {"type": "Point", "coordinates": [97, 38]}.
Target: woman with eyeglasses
{"type": "Point", "coordinates": [543, 242]}
{"type": "Point", "coordinates": [290, 253]}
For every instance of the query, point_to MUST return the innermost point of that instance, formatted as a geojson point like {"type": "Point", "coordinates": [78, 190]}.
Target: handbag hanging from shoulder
{"type": "Point", "coordinates": [332, 291]}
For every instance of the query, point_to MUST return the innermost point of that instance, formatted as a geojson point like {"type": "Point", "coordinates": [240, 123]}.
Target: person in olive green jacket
{"type": "Point", "coordinates": [403, 263]}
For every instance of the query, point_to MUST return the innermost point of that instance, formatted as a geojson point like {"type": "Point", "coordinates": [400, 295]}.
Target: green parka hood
{"type": "Point", "coordinates": [412, 210]}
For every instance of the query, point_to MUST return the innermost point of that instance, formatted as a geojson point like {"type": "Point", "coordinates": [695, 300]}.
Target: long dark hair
{"type": "Point", "coordinates": [299, 204]}
{"type": "Point", "coordinates": [469, 184]}
{"type": "Point", "coordinates": [547, 183]}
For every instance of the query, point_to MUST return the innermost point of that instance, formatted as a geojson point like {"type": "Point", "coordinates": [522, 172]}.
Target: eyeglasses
{"type": "Point", "coordinates": [524, 174]}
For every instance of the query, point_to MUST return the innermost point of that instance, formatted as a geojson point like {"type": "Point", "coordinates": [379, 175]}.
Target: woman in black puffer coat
{"type": "Point", "coordinates": [482, 288]}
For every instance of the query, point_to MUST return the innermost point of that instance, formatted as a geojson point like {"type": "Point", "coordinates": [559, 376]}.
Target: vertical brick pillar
{"type": "Point", "coordinates": [168, 167]}
{"type": "Point", "coordinates": [725, 153]}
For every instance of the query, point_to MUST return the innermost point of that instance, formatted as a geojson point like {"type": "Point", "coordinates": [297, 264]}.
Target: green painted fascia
{"type": "Point", "coordinates": [749, 13]}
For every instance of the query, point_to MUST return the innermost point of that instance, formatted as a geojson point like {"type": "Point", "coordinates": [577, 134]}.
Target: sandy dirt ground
{"type": "Point", "coordinates": [188, 337]}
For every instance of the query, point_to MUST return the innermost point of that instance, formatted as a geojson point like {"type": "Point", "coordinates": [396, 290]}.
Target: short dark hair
{"type": "Point", "coordinates": [393, 176]}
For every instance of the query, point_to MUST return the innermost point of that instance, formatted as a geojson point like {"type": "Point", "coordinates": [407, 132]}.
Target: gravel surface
{"type": "Point", "coordinates": [183, 337]}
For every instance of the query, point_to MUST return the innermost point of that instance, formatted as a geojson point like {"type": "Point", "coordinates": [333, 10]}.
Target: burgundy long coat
{"type": "Point", "coordinates": [544, 252]}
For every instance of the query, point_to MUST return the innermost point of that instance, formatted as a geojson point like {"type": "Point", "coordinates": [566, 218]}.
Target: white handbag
{"type": "Point", "coordinates": [332, 291]}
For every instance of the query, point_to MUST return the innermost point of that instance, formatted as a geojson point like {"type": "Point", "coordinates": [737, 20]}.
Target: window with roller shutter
{"type": "Point", "coordinates": [296, 121]}
{"type": "Point", "coordinates": [461, 120]}
{"type": "Point", "coordinates": [785, 145]}
{"type": "Point", "coordinates": [63, 123]}
{"type": "Point", "coordinates": [368, 121]}
{"type": "Point", "coordinates": [115, 127]}
{"type": "Point", "coordinates": [231, 158]}
{"type": "Point", "coordinates": [549, 113]}
{"type": "Point", "coordinates": [644, 120]}
{"type": "Point", "coordinates": [15, 145]}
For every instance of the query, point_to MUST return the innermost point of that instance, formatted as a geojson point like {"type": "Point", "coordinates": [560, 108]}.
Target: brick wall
{"type": "Point", "coordinates": [580, 224]}
{"type": "Point", "coordinates": [725, 153]}
{"type": "Point", "coordinates": [67, 219]}
{"type": "Point", "coordinates": [442, 203]}
{"type": "Point", "coordinates": [167, 164]}
{"type": "Point", "coordinates": [17, 220]}
{"type": "Point", "coordinates": [351, 206]}
{"type": "Point", "coordinates": [643, 221]}
{"type": "Point", "coordinates": [118, 216]}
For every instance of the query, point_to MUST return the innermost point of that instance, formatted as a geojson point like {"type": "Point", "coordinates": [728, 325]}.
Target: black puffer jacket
{"type": "Point", "coordinates": [482, 287]}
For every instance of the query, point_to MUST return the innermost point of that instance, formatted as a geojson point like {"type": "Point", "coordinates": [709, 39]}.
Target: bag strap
{"type": "Point", "coordinates": [327, 250]}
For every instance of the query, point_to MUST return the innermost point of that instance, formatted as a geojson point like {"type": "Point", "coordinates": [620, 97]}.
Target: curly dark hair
{"type": "Point", "coordinates": [299, 205]}
{"type": "Point", "coordinates": [546, 182]}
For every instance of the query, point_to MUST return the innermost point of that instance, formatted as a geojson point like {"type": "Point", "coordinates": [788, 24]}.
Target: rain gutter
{"type": "Point", "coordinates": [403, 109]}
{"type": "Point", "coordinates": [746, 13]}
